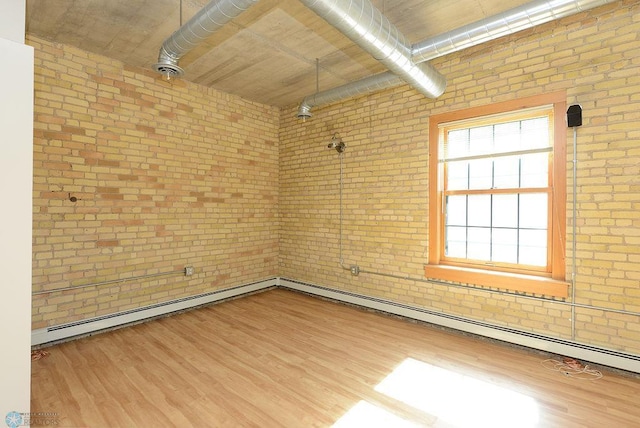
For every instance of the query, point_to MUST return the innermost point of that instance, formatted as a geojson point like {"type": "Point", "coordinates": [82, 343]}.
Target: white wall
{"type": "Point", "coordinates": [12, 20]}
{"type": "Point", "coordinates": [16, 171]}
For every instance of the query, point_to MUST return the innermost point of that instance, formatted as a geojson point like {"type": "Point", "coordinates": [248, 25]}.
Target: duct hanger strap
{"type": "Point", "coordinates": [366, 26]}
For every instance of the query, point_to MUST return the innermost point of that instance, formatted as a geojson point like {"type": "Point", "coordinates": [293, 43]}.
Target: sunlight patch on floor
{"type": "Point", "coordinates": [457, 399]}
{"type": "Point", "coordinates": [365, 414]}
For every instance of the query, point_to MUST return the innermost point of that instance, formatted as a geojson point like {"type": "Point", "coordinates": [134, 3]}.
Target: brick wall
{"type": "Point", "coordinates": [595, 58]}
{"type": "Point", "coordinates": [163, 176]}
{"type": "Point", "coordinates": [170, 175]}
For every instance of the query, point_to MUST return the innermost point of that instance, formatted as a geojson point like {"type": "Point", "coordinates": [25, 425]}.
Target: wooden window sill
{"type": "Point", "coordinates": [503, 280]}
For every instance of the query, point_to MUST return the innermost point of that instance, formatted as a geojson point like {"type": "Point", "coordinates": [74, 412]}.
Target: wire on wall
{"type": "Point", "coordinates": [341, 155]}
{"type": "Point", "coordinates": [113, 281]}
{"type": "Point", "coordinates": [574, 119]}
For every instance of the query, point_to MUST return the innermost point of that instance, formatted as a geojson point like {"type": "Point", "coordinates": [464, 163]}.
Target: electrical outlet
{"type": "Point", "coordinates": [189, 270]}
{"type": "Point", "coordinates": [355, 270]}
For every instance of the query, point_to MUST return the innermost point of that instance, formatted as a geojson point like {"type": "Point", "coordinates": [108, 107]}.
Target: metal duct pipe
{"type": "Point", "coordinates": [366, 26]}
{"type": "Point", "coordinates": [517, 19]}
{"type": "Point", "coordinates": [366, 85]}
{"type": "Point", "coordinates": [207, 21]}
{"type": "Point", "coordinates": [520, 18]}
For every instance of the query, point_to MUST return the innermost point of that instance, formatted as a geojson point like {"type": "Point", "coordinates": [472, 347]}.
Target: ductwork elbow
{"type": "Point", "coordinates": [368, 85]}
{"type": "Point", "coordinates": [215, 15]}
{"type": "Point", "coordinates": [365, 86]}
{"type": "Point", "coordinates": [167, 65]}
{"type": "Point", "coordinates": [304, 110]}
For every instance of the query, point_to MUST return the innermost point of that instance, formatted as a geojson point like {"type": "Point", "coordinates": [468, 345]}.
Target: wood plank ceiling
{"type": "Point", "coordinates": [276, 53]}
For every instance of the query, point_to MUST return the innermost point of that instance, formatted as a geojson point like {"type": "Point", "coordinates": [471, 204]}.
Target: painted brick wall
{"type": "Point", "coordinates": [595, 58]}
{"type": "Point", "coordinates": [163, 175]}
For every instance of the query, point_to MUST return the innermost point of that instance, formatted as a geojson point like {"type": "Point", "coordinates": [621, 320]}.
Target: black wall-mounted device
{"type": "Point", "coordinates": [574, 116]}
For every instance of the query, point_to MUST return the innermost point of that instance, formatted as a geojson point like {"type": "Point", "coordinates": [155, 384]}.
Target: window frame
{"type": "Point", "coordinates": [550, 282]}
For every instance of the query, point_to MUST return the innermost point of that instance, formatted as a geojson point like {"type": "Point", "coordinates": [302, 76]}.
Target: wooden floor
{"type": "Point", "coordinates": [283, 359]}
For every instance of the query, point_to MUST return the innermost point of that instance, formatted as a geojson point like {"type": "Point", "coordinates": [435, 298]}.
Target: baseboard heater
{"type": "Point", "coordinates": [603, 356]}
{"type": "Point", "coordinates": [105, 322]}
{"type": "Point", "coordinates": [596, 355]}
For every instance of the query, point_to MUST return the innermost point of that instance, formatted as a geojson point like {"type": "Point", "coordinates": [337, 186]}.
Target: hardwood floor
{"type": "Point", "coordinates": [283, 359]}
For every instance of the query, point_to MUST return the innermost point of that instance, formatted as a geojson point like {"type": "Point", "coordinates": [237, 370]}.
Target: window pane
{"type": "Point", "coordinates": [535, 170]}
{"type": "Point", "coordinates": [458, 175]}
{"type": "Point", "coordinates": [506, 172]}
{"type": "Point", "coordinates": [507, 137]}
{"type": "Point", "coordinates": [505, 211]}
{"type": "Point", "coordinates": [533, 211]}
{"type": "Point", "coordinates": [481, 140]}
{"type": "Point", "coordinates": [505, 245]}
{"type": "Point", "coordinates": [479, 246]}
{"type": "Point", "coordinates": [456, 242]}
{"type": "Point", "coordinates": [479, 210]}
{"type": "Point", "coordinates": [481, 174]}
{"type": "Point", "coordinates": [533, 247]}
{"type": "Point", "coordinates": [535, 133]}
{"type": "Point", "coordinates": [482, 222]}
{"type": "Point", "coordinates": [456, 210]}
{"type": "Point", "coordinates": [457, 144]}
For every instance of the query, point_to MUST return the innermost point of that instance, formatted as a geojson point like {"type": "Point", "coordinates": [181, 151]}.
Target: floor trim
{"type": "Point", "coordinates": [93, 325]}
{"type": "Point", "coordinates": [597, 355]}
{"type": "Point", "coordinates": [603, 356]}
